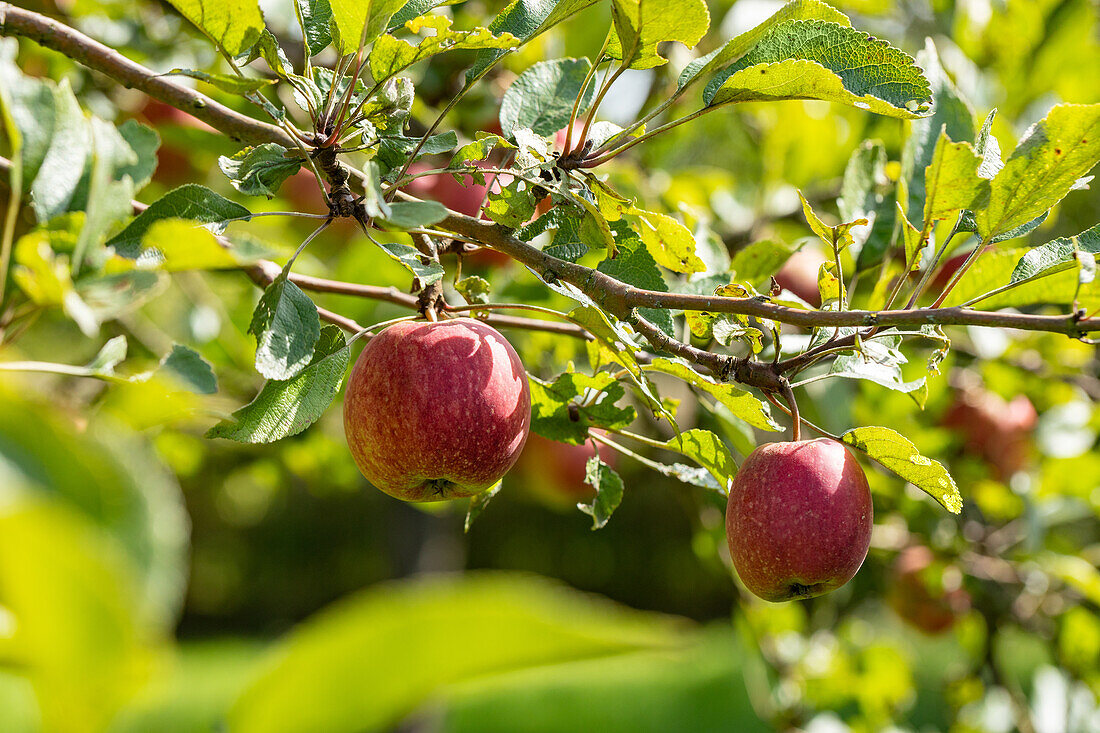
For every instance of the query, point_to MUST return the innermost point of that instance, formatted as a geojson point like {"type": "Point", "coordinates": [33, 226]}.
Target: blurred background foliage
{"type": "Point", "coordinates": [154, 580]}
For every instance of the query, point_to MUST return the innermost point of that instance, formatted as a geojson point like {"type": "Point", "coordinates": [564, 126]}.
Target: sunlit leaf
{"type": "Point", "coordinates": [898, 454]}
{"type": "Point", "coordinates": [813, 59]}
{"type": "Point", "coordinates": [642, 24]}
{"type": "Point", "coordinates": [232, 24]}
{"type": "Point", "coordinates": [1046, 164]}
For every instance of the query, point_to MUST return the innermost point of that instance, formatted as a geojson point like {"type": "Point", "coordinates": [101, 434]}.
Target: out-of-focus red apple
{"type": "Point", "coordinates": [993, 428]}
{"type": "Point", "coordinates": [437, 410]}
{"type": "Point", "coordinates": [555, 471]}
{"type": "Point", "coordinates": [799, 517]}
{"type": "Point", "coordinates": [799, 275]}
{"type": "Point", "coordinates": [919, 592]}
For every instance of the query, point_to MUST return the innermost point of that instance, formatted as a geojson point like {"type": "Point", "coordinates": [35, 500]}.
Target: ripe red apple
{"type": "Point", "coordinates": [992, 428]}
{"type": "Point", "coordinates": [437, 410]}
{"type": "Point", "coordinates": [799, 275]}
{"type": "Point", "coordinates": [918, 593]}
{"type": "Point", "coordinates": [555, 471]}
{"type": "Point", "coordinates": [798, 520]}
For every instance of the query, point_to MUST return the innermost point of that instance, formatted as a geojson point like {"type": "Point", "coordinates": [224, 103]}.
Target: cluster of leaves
{"type": "Point", "coordinates": [950, 172]}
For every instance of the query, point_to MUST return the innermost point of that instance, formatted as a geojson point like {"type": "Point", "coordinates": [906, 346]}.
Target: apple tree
{"type": "Point", "coordinates": [646, 247]}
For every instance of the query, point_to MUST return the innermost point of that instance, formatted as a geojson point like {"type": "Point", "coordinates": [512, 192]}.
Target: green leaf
{"type": "Point", "coordinates": [177, 245]}
{"type": "Point", "coordinates": [951, 113]}
{"type": "Point", "coordinates": [951, 181]}
{"type": "Point", "coordinates": [260, 170]}
{"type": "Point", "coordinates": [361, 21]}
{"type": "Point", "coordinates": [1043, 168]}
{"type": "Point", "coordinates": [394, 150]}
{"type": "Point", "coordinates": [144, 141]}
{"type": "Point", "coordinates": [381, 641]}
{"type": "Point", "coordinates": [286, 408]}
{"type": "Point", "coordinates": [110, 296]}
{"type": "Point", "coordinates": [416, 8]}
{"type": "Point", "coordinates": [473, 289]}
{"type": "Point", "coordinates": [104, 473]}
{"type": "Point", "coordinates": [32, 105]}
{"type": "Point", "coordinates": [737, 47]}
{"type": "Point", "coordinates": [187, 366]}
{"type": "Point", "coordinates": [642, 24]}
{"type": "Point", "coordinates": [62, 166]}
{"type": "Point", "coordinates": [542, 97]}
{"type": "Point", "coordinates": [634, 265]}
{"type": "Point", "coordinates": [390, 55]}
{"type": "Point", "coordinates": [110, 356]}
{"type": "Point", "coordinates": [405, 215]}
{"type": "Point", "coordinates": [911, 239]}
{"type": "Point", "coordinates": [863, 195]}
{"type": "Point", "coordinates": [609, 491]}
{"type": "Point", "coordinates": [75, 600]}
{"type": "Point", "coordinates": [426, 271]}
{"type": "Point", "coordinates": [759, 261]}
{"type": "Point", "coordinates": [590, 399]}
{"type": "Point", "coordinates": [1056, 255]}
{"type": "Point", "coordinates": [524, 19]}
{"type": "Point", "coordinates": [743, 404]}
{"type": "Point", "coordinates": [267, 47]}
{"type": "Point", "coordinates": [478, 502]}
{"type": "Point", "coordinates": [190, 201]}
{"type": "Point", "coordinates": [287, 327]}
{"type": "Point", "coordinates": [993, 270]}
{"type": "Point", "coordinates": [230, 83]}
{"type": "Point", "coordinates": [106, 199]}
{"type": "Point", "coordinates": [812, 59]}
{"type": "Point", "coordinates": [479, 149]}
{"type": "Point", "coordinates": [880, 361]}
{"type": "Point", "coordinates": [669, 242]}
{"type": "Point", "coordinates": [232, 24]}
{"type": "Point", "coordinates": [316, 18]}
{"type": "Point", "coordinates": [896, 453]}
{"type": "Point", "coordinates": [708, 450]}
{"type": "Point", "coordinates": [512, 205]}
{"type": "Point", "coordinates": [837, 238]}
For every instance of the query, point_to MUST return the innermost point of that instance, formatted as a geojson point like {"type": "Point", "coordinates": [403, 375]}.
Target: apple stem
{"type": "Point", "coordinates": [796, 420]}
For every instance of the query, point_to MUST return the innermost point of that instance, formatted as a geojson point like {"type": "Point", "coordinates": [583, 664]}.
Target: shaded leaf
{"type": "Point", "coordinates": [190, 201]}
{"type": "Point", "coordinates": [287, 327]}
{"type": "Point", "coordinates": [194, 372]}
{"type": "Point", "coordinates": [609, 491]}
{"type": "Point", "coordinates": [542, 97]}
{"type": "Point", "coordinates": [285, 408]}
{"type": "Point", "coordinates": [260, 170]}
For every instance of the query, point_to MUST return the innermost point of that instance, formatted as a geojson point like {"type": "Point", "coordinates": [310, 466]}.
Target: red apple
{"type": "Point", "coordinates": [437, 410]}
{"type": "Point", "coordinates": [798, 520]}
{"type": "Point", "coordinates": [918, 593]}
{"type": "Point", "coordinates": [555, 471]}
{"type": "Point", "coordinates": [799, 275]}
{"type": "Point", "coordinates": [992, 428]}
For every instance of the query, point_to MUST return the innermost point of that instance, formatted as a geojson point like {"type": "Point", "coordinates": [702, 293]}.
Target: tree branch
{"type": "Point", "coordinates": [615, 297]}
{"type": "Point", "coordinates": [51, 34]}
